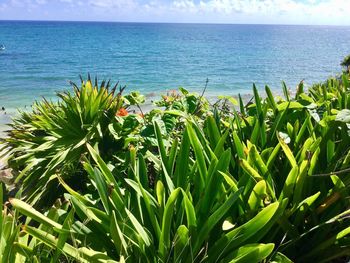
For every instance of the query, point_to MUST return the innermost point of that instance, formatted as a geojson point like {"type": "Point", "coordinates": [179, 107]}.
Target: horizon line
{"type": "Point", "coordinates": [165, 22]}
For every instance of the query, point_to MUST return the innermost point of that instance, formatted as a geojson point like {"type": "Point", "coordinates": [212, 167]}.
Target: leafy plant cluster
{"type": "Point", "coordinates": [101, 181]}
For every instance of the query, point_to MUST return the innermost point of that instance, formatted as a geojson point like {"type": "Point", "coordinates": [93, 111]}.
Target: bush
{"type": "Point", "coordinates": [346, 62]}
{"type": "Point", "coordinates": [263, 181]}
{"type": "Point", "coordinates": [52, 138]}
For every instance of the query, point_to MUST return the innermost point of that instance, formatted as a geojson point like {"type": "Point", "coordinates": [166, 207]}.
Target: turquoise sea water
{"type": "Point", "coordinates": [41, 57]}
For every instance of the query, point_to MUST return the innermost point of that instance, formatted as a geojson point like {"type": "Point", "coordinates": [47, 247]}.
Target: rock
{"type": "Point", "coordinates": [7, 176]}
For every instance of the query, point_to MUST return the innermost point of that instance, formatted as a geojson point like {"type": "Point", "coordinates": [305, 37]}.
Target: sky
{"type": "Point", "coordinates": [306, 12]}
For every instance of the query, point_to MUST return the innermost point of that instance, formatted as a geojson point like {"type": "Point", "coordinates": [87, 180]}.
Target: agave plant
{"type": "Point", "coordinates": [52, 138]}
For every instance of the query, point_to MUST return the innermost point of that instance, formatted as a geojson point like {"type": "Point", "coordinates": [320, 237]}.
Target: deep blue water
{"type": "Point", "coordinates": [41, 57]}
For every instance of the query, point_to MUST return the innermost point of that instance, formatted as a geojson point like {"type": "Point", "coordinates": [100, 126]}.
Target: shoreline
{"type": "Point", "coordinates": [11, 112]}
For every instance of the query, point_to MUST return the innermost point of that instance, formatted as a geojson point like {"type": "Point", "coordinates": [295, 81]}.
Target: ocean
{"type": "Point", "coordinates": [42, 57]}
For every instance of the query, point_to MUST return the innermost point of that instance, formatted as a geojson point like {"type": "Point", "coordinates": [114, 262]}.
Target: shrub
{"type": "Point", "coordinates": [52, 138]}
{"type": "Point", "coordinates": [346, 62]}
{"type": "Point", "coordinates": [266, 181]}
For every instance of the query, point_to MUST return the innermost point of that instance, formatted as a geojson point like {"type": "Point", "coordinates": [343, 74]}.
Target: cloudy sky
{"type": "Point", "coordinates": [323, 12]}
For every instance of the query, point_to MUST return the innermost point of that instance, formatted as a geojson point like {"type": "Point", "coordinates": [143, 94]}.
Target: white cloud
{"type": "Point", "coordinates": [290, 11]}
{"type": "Point", "coordinates": [3, 7]}
{"type": "Point", "coordinates": [113, 4]}
{"type": "Point", "coordinates": [222, 11]}
{"type": "Point", "coordinates": [40, 2]}
{"type": "Point", "coordinates": [317, 8]}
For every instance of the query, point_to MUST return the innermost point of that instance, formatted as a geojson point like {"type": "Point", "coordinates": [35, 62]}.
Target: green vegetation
{"type": "Point", "coordinates": [346, 62]}
{"type": "Point", "coordinates": [266, 181]}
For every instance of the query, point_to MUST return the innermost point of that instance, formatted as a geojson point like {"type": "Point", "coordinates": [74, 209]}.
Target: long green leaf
{"type": "Point", "coordinates": [252, 253]}
{"type": "Point", "coordinates": [198, 150]}
{"type": "Point", "coordinates": [213, 219]}
{"type": "Point", "coordinates": [236, 237]}
{"type": "Point", "coordinates": [29, 211]}
{"type": "Point", "coordinates": [164, 242]}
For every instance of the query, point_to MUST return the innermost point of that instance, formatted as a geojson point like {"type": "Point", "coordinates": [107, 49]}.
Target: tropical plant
{"type": "Point", "coordinates": [266, 181]}
{"type": "Point", "coordinates": [171, 222]}
{"type": "Point", "coordinates": [346, 62]}
{"type": "Point", "coordinates": [52, 138]}
{"type": "Point", "coordinates": [8, 231]}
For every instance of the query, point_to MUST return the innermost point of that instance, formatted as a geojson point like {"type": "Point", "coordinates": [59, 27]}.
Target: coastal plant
{"type": "Point", "coordinates": [346, 62]}
{"type": "Point", "coordinates": [175, 106]}
{"type": "Point", "coordinates": [52, 137]}
{"type": "Point", "coordinates": [17, 245]}
{"type": "Point", "coordinates": [312, 173]}
{"type": "Point", "coordinates": [201, 210]}
{"type": "Point", "coordinates": [184, 101]}
{"type": "Point", "coordinates": [9, 231]}
{"type": "Point", "coordinates": [134, 221]}
{"type": "Point", "coordinates": [266, 180]}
